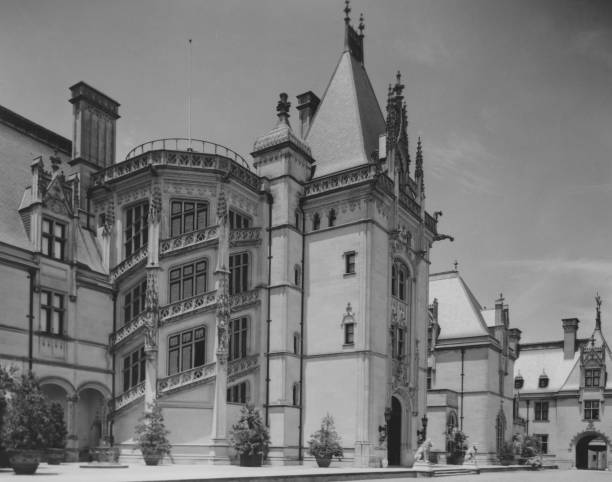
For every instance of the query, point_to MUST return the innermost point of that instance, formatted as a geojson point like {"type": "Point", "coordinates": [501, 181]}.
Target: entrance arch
{"type": "Point", "coordinates": [591, 453]}
{"type": "Point", "coordinates": [91, 420]}
{"type": "Point", "coordinates": [394, 437]}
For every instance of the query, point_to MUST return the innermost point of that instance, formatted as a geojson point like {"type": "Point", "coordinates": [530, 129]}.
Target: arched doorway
{"type": "Point", "coordinates": [91, 420]}
{"type": "Point", "coordinates": [394, 441]}
{"type": "Point", "coordinates": [591, 453]}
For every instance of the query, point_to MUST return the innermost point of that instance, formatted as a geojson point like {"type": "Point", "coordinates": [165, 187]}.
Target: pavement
{"type": "Point", "coordinates": [224, 473]}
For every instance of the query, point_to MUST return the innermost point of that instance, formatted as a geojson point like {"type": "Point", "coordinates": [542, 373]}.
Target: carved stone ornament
{"type": "Point", "coordinates": [348, 316]}
{"type": "Point", "coordinates": [400, 240]}
{"type": "Point", "coordinates": [155, 206]}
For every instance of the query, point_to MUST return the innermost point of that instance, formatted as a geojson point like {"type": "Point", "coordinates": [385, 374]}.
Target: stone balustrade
{"type": "Point", "coordinates": [129, 396]}
{"type": "Point", "coordinates": [188, 240]}
{"type": "Point", "coordinates": [128, 263]}
{"type": "Point", "coordinates": [242, 366]}
{"type": "Point", "coordinates": [187, 378]}
{"type": "Point", "coordinates": [126, 330]}
{"type": "Point", "coordinates": [191, 305]}
{"type": "Point", "coordinates": [245, 237]}
{"type": "Point", "coordinates": [242, 300]}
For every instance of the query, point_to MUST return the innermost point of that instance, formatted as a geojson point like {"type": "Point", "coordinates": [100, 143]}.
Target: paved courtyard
{"type": "Point", "coordinates": [529, 476]}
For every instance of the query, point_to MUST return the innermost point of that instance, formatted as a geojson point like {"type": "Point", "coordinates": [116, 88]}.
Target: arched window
{"type": "Point", "coordinates": [400, 281]}
{"type": "Point", "coordinates": [297, 275]}
{"type": "Point", "coordinates": [296, 343]}
{"type": "Point", "coordinates": [238, 338]}
{"type": "Point", "coordinates": [331, 217]}
{"type": "Point", "coordinates": [186, 350]}
{"type": "Point", "coordinates": [239, 273]}
{"type": "Point", "coordinates": [188, 280]}
{"type": "Point", "coordinates": [295, 394]}
{"type": "Point", "coordinates": [316, 222]}
{"type": "Point", "coordinates": [187, 216]}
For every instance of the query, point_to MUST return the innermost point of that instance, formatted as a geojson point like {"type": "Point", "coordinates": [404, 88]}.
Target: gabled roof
{"type": "Point", "coordinates": [348, 122]}
{"type": "Point", "coordinates": [459, 313]}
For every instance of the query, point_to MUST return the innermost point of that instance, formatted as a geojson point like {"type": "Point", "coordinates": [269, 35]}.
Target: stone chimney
{"type": "Point", "coordinates": [308, 103]}
{"type": "Point", "coordinates": [502, 312]}
{"type": "Point", "coordinates": [570, 328]}
{"type": "Point", "coordinates": [95, 116]}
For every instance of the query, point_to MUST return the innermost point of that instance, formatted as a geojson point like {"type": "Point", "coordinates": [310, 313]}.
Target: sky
{"type": "Point", "coordinates": [513, 100]}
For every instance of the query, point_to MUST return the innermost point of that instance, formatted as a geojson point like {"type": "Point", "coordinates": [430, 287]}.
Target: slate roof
{"type": "Point", "coordinates": [547, 357]}
{"type": "Point", "coordinates": [459, 313]}
{"type": "Point", "coordinates": [348, 122]}
{"type": "Point", "coordinates": [489, 316]}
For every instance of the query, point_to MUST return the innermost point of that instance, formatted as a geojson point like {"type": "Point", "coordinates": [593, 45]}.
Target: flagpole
{"type": "Point", "coordinates": [189, 98]}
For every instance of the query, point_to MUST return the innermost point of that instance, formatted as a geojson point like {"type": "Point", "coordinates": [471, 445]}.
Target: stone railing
{"type": "Point", "coordinates": [342, 179]}
{"type": "Point", "coordinates": [187, 306]}
{"type": "Point", "coordinates": [160, 154]}
{"type": "Point", "coordinates": [410, 204]}
{"type": "Point", "coordinates": [431, 223]}
{"type": "Point", "coordinates": [245, 236]}
{"type": "Point", "coordinates": [244, 299]}
{"type": "Point", "coordinates": [186, 378]}
{"type": "Point", "coordinates": [188, 240]}
{"type": "Point", "coordinates": [128, 263]}
{"type": "Point", "coordinates": [129, 396]}
{"type": "Point", "coordinates": [242, 366]}
{"type": "Point", "coordinates": [126, 330]}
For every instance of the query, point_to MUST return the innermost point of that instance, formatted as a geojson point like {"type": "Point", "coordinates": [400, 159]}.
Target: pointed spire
{"type": "Point", "coordinates": [598, 318]}
{"type": "Point", "coordinates": [418, 173]}
{"type": "Point", "coordinates": [282, 109]}
{"type": "Point", "coordinates": [347, 11]}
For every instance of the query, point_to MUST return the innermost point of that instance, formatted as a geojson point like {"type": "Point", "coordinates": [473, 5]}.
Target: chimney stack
{"type": "Point", "coordinates": [501, 311]}
{"type": "Point", "coordinates": [570, 328]}
{"type": "Point", "coordinates": [308, 103]}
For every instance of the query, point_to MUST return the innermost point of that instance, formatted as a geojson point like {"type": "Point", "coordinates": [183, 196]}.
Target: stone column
{"type": "Point", "coordinates": [72, 443]}
{"type": "Point", "coordinates": [218, 450]}
{"type": "Point", "coordinates": [152, 299]}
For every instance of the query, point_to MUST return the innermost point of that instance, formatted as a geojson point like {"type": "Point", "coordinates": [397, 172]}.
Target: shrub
{"type": "Point", "coordinates": [27, 420]}
{"type": "Point", "coordinates": [57, 427]}
{"type": "Point", "coordinates": [151, 433]}
{"type": "Point", "coordinates": [325, 442]}
{"type": "Point", "coordinates": [249, 435]}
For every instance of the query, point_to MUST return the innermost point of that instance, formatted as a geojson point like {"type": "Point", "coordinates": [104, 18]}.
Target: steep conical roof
{"type": "Point", "coordinates": [348, 122]}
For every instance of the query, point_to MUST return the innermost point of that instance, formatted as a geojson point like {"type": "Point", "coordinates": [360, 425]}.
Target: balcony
{"type": "Point", "coordinates": [131, 327]}
{"type": "Point", "coordinates": [173, 311]}
{"type": "Point", "coordinates": [187, 378]}
{"type": "Point", "coordinates": [128, 263]}
{"type": "Point", "coordinates": [245, 237]}
{"type": "Point", "coordinates": [243, 300]}
{"type": "Point", "coordinates": [179, 153]}
{"type": "Point", "coordinates": [188, 241]}
{"type": "Point", "coordinates": [241, 367]}
{"type": "Point", "coordinates": [128, 397]}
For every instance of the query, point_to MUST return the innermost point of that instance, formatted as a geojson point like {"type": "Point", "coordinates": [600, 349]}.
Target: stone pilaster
{"type": "Point", "coordinates": [72, 442]}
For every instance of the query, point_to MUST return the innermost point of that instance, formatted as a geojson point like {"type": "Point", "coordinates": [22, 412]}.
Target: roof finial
{"type": "Point", "coordinates": [456, 265]}
{"type": "Point", "coordinates": [398, 85]}
{"type": "Point", "coordinates": [347, 11]}
{"type": "Point", "coordinates": [361, 24]}
{"type": "Point", "coordinates": [598, 318]}
{"type": "Point", "coordinates": [55, 162]}
{"type": "Point", "coordinates": [282, 108]}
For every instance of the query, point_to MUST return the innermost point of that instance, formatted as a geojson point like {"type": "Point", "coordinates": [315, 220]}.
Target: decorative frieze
{"type": "Point", "coordinates": [128, 263]}
{"type": "Point", "coordinates": [187, 378]}
{"type": "Point", "coordinates": [188, 306]}
{"type": "Point", "coordinates": [245, 237]}
{"type": "Point", "coordinates": [129, 396]}
{"type": "Point", "coordinates": [239, 368]}
{"type": "Point", "coordinates": [188, 240]}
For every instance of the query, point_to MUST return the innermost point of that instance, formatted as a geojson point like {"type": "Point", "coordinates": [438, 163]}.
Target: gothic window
{"type": "Point", "coordinates": [136, 230]}
{"type": "Point", "coordinates": [399, 281]}
{"type": "Point", "coordinates": [238, 393]}
{"type": "Point", "coordinates": [133, 368]}
{"type": "Point", "coordinates": [543, 439]}
{"type": "Point", "coordinates": [592, 377]}
{"type": "Point", "coordinates": [349, 333]}
{"type": "Point", "coordinates": [238, 332]}
{"type": "Point", "coordinates": [331, 217]}
{"type": "Point", "coordinates": [53, 239]}
{"type": "Point", "coordinates": [349, 262]}
{"type": "Point", "coordinates": [238, 220]}
{"type": "Point", "coordinates": [239, 273]}
{"type": "Point", "coordinates": [591, 409]}
{"type": "Point", "coordinates": [187, 280]}
{"type": "Point", "coordinates": [295, 394]}
{"type": "Point", "coordinates": [316, 222]}
{"type": "Point", "coordinates": [186, 350]}
{"type": "Point", "coordinates": [541, 411]}
{"type": "Point", "coordinates": [187, 216]}
{"type": "Point", "coordinates": [52, 312]}
{"type": "Point", "coordinates": [134, 301]}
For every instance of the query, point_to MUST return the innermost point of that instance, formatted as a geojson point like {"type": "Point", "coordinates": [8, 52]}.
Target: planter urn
{"type": "Point", "coordinates": [25, 461]}
{"type": "Point", "coordinates": [250, 460]}
{"type": "Point", "coordinates": [323, 461]}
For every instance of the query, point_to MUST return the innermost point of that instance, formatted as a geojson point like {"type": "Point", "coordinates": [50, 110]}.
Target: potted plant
{"type": "Point", "coordinates": [250, 437]}
{"type": "Point", "coordinates": [456, 446]}
{"type": "Point", "coordinates": [7, 385]}
{"type": "Point", "coordinates": [152, 436]}
{"type": "Point", "coordinates": [26, 424]}
{"type": "Point", "coordinates": [56, 435]}
{"type": "Point", "coordinates": [325, 442]}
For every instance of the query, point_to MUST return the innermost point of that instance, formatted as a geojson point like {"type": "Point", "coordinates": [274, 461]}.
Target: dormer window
{"type": "Point", "coordinates": [592, 377]}
{"type": "Point", "coordinates": [543, 381]}
{"type": "Point", "coordinates": [53, 239]}
{"type": "Point", "coordinates": [518, 382]}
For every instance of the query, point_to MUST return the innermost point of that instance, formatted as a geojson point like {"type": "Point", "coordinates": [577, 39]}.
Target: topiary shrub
{"type": "Point", "coordinates": [249, 435]}
{"type": "Point", "coordinates": [325, 442]}
{"type": "Point", "coordinates": [152, 436]}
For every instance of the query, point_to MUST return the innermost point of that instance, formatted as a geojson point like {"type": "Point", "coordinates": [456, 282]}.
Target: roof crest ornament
{"type": "Point", "coordinates": [347, 11]}
{"type": "Point", "coordinates": [353, 41]}
{"type": "Point", "coordinates": [598, 318]}
{"type": "Point", "coordinates": [282, 109]}
{"type": "Point", "coordinates": [361, 25]}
